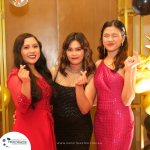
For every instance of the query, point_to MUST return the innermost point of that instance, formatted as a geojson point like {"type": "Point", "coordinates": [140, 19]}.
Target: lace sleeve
{"type": "Point", "coordinates": [20, 100]}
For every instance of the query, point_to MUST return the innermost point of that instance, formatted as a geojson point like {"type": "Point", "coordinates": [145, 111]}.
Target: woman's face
{"type": "Point", "coordinates": [75, 53]}
{"type": "Point", "coordinates": [112, 39]}
{"type": "Point", "coordinates": [30, 51]}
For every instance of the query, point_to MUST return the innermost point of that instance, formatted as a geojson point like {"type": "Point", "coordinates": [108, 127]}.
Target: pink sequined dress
{"type": "Point", "coordinates": [37, 125]}
{"type": "Point", "coordinates": [114, 122]}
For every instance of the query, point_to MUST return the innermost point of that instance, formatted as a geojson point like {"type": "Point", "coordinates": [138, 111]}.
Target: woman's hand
{"type": "Point", "coordinates": [82, 80]}
{"type": "Point", "coordinates": [23, 74]}
{"type": "Point", "coordinates": [132, 62]}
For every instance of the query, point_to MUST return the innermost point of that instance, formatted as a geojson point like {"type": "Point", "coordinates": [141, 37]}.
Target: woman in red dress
{"type": "Point", "coordinates": [31, 87]}
{"type": "Point", "coordinates": [114, 84]}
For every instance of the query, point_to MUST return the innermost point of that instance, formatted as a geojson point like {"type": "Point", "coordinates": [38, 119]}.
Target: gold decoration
{"type": "Point", "coordinates": [142, 59]}
{"type": "Point", "coordinates": [7, 96]}
{"type": "Point", "coordinates": [142, 86]}
{"type": "Point", "coordinates": [146, 103]}
{"type": "Point", "coordinates": [142, 74]}
{"type": "Point", "coordinates": [147, 37]}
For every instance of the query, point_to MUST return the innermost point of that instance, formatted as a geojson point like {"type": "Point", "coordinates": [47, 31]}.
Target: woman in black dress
{"type": "Point", "coordinates": [73, 130]}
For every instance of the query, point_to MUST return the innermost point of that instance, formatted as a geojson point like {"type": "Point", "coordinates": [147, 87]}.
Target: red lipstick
{"type": "Point", "coordinates": [110, 44]}
{"type": "Point", "coordinates": [75, 58]}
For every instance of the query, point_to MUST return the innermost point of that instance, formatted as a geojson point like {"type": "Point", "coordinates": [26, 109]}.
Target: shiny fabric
{"type": "Point", "coordinates": [114, 122]}
{"type": "Point", "coordinates": [37, 125]}
{"type": "Point", "coordinates": [72, 129]}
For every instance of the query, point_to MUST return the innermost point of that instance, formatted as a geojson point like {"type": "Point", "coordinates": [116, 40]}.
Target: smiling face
{"type": "Point", "coordinates": [112, 39]}
{"type": "Point", "coordinates": [30, 51]}
{"type": "Point", "coordinates": [75, 53]}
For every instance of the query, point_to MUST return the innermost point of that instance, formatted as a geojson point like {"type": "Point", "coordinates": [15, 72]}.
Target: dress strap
{"type": "Point", "coordinates": [56, 75]}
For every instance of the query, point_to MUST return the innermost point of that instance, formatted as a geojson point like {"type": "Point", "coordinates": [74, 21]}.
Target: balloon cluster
{"type": "Point", "coordinates": [7, 96]}
{"type": "Point", "coordinates": [142, 87]}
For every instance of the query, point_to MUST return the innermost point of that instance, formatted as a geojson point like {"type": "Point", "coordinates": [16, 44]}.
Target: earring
{"type": "Point", "coordinates": [122, 44]}
{"type": "Point", "coordinates": [104, 51]}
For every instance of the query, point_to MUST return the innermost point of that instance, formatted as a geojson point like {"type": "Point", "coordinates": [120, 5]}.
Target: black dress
{"type": "Point", "coordinates": [72, 129]}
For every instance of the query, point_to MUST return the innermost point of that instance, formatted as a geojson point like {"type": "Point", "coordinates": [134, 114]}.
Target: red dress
{"type": "Point", "coordinates": [37, 125]}
{"type": "Point", "coordinates": [114, 122]}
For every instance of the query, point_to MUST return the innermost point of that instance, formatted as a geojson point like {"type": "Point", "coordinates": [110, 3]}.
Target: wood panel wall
{"type": "Point", "coordinates": [51, 21]}
{"type": "Point", "coordinates": [85, 16]}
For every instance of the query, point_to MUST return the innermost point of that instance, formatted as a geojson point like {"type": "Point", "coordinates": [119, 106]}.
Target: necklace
{"type": "Point", "coordinates": [75, 69]}
{"type": "Point", "coordinates": [110, 64]}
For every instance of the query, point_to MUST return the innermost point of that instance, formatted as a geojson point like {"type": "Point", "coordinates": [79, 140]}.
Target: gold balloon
{"type": "Point", "coordinates": [148, 67]}
{"type": "Point", "coordinates": [146, 104]}
{"type": "Point", "coordinates": [148, 46]}
{"type": "Point", "coordinates": [142, 73]}
{"type": "Point", "coordinates": [148, 52]}
{"type": "Point", "coordinates": [142, 59]}
{"type": "Point", "coordinates": [7, 96]}
{"type": "Point", "coordinates": [142, 86]}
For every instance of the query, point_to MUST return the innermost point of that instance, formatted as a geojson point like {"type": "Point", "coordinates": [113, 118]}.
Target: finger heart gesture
{"type": "Point", "coordinates": [133, 61]}
{"type": "Point", "coordinates": [83, 79]}
{"type": "Point", "coordinates": [23, 74]}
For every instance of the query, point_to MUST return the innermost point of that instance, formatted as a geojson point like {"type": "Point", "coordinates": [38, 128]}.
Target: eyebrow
{"type": "Point", "coordinates": [112, 33]}
{"type": "Point", "coordinates": [29, 44]}
{"type": "Point", "coordinates": [75, 47]}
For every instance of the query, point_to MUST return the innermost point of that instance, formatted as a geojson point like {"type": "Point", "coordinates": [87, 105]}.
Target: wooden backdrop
{"type": "Point", "coordinates": [51, 21]}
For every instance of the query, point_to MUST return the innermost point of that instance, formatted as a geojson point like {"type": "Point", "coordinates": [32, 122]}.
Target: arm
{"type": "Point", "coordinates": [97, 64]}
{"type": "Point", "coordinates": [128, 92]}
{"type": "Point", "coordinates": [20, 100]}
{"type": "Point", "coordinates": [85, 98]}
{"type": "Point", "coordinates": [23, 75]}
{"type": "Point", "coordinates": [21, 92]}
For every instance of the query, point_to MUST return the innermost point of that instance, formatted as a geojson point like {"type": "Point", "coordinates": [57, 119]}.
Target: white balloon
{"type": "Point", "coordinates": [18, 3]}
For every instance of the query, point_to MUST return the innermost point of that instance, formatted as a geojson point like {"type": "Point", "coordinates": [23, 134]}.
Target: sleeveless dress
{"type": "Point", "coordinates": [73, 130]}
{"type": "Point", "coordinates": [114, 122]}
{"type": "Point", "coordinates": [37, 125]}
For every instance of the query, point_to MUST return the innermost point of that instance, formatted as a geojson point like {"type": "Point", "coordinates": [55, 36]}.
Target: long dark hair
{"type": "Point", "coordinates": [122, 54]}
{"type": "Point", "coordinates": [87, 63]}
{"type": "Point", "coordinates": [40, 66]}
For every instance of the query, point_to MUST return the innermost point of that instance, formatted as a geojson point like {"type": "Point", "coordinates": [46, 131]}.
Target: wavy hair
{"type": "Point", "coordinates": [87, 63]}
{"type": "Point", "coordinates": [122, 54]}
{"type": "Point", "coordinates": [40, 66]}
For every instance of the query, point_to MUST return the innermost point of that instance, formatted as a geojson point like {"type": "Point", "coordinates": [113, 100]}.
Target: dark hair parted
{"type": "Point", "coordinates": [40, 66]}
{"type": "Point", "coordinates": [122, 54]}
{"type": "Point", "coordinates": [87, 63]}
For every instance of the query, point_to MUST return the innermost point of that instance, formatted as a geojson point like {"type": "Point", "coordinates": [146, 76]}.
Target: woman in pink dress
{"type": "Point", "coordinates": [31, 87]}
{"type": "Point", "coordinates": [114, 84]}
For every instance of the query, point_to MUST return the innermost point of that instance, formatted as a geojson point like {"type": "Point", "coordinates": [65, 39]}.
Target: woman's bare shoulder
{"type": "Point", "coordinates": [53, 71]}
{"type": "Point", "coordinates": [98, 62]}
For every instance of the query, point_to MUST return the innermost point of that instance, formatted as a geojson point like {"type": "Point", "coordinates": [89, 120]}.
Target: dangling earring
{"type": "Point", "coordinates": [122, 43]}
{"type": "Point", "coordinates": [104, 51]}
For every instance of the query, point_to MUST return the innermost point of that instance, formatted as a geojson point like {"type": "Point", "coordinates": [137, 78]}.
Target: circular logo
{"type": "Point", "coordinates": [14, 141]}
